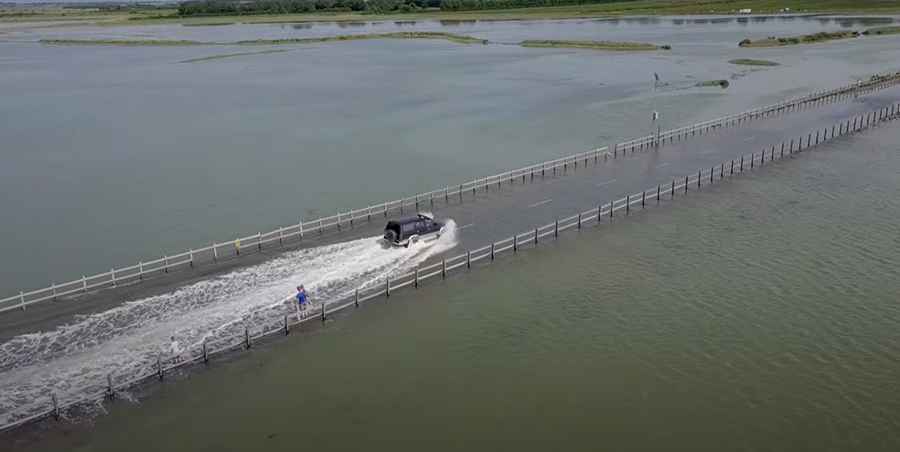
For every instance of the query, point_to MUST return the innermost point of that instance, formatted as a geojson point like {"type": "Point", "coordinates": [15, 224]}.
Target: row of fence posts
{"type": "Point", "coordinates": [849, 126]}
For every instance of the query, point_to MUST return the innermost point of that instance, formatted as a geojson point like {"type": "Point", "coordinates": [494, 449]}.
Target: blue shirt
{"type": "Point", "coordinates": [301, 297]}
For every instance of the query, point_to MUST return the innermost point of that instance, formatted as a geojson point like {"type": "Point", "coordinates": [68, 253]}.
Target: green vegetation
{"type": "Point", "coordinates": [752, 62]}
{"type": "Point", "coordinates": [231, 55]}
{"type": "Point", "coordinates": [596, 45]}
{"type": "Point", "coordinates": [804, 39]}
{"type": "Point", "coordinates": [490, 12]}
{"type": "Point", "coordinates": [460, 39]}
{"type": "Point", "coordinates": [882, 31]}
{"type": "Point", "coordinates": [720, 83]}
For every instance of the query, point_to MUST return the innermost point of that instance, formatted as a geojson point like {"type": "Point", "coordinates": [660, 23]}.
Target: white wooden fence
{"type": "Point", "coordinates": [215, 251]}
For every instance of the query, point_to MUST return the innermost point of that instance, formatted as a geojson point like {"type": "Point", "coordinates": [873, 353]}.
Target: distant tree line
{"type": "Point", "coordinates": [239, 7]}
{"type": "Point", "coordinates": [468, 5]}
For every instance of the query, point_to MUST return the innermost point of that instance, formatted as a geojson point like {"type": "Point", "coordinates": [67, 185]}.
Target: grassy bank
{"type": "Point", "coordinates": [752, 62]}
{"type": "Point", "coordinates": [638, 7]}
{"type": "Point", "coordinates": [595, 45]}
{"type": "Point", "coordinates": [794, 40]}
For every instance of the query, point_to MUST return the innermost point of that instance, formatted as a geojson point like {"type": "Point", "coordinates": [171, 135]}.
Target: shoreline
{"type": "Point", "coordinates": [596, 11]}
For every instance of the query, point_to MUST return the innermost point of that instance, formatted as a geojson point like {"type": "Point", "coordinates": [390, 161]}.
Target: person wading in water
{"type": "Point", "coordinates": [301, 302]}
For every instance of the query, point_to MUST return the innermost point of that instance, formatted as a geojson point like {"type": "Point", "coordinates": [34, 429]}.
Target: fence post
{"type": "Point", "coordinates": [742, 164]}
{"type": "Point", "coordinates": [685, 184]}
{"type": "Point", "coordinates": [191, 256]}
{"type": "Point", "coordinates": [673, 188]}
{"type": "Point", "coordinates": [699, 177]}
{"type": "Point", "coordinates": [658, 191]}
{"type": "Point", "coordinates": [286, 327]}
{"type": "Point", "coordinates": [55, 406]}
{"type": "Point", "coordinates": [159, 368]}
{"type": "Point", "coordinates": [22, 300]}
{"type": "Point", "coordinates": [247, 337]}
{"type": "Point", "coordinates": [215, 253]}
{"type": "Point", "coordinates": [468, 259]}
{"type": "Point", "coordinates": [643, 198]}
{"type": "Point", "coordinates": [579, 221]}
{"type": "Point", "coordinates": [323, 311]}
{"type": "Point", "coordinates": [166, 264]}
{"type": "Point", "coordinates": [83, 283]}
{"type": "Point", "coordinates": [237, 247]}
{"type": "Point", "coordinates": [205, 353]}
{"type": "Point", "coordinates": [110, 393]}
{"type": "Point", "coordinates": [387, 286]}
{"type": "Point", "coordinates": [516, 243]}
{"type": "Point", "coordinates": [443, 268]}
{"type": "Point", "coordinates": [416, 280]}
{"type": "Point", "coordinates": [280, 236]}
{"type": "Point", "coordinates": [112, 273]}
{"type": "Point", "coordinates": [356, 298]}
{"type": "Point", "coordinates": [556, 228]}
{"type": "Point", "coordinates": [535, 236]}
{"type": "Point", "coordinates": [712, 170]}
{"type": "Point", "coordinates": [492, 252]}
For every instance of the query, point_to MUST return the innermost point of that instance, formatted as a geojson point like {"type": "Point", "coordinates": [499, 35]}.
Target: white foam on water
{"type": "Point", "coordinates": [73, 360]}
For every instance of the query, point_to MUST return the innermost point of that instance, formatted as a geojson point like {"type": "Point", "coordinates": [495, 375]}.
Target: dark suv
{"type": "Point", "coordinates": [404, 231]}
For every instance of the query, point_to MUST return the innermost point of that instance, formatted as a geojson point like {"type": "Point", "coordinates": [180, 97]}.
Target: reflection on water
{"type": "Point", "coordinates": [354, 24]}
{"type": "Point", "coordinates": [303, 26]}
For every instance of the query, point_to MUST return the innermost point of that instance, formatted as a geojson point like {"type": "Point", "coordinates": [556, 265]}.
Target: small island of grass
{"type": "Point", "coordinates": [122, 42]}
{"type": "Point", "coordinates": [595, 45]}
{"type": "Point", "coordinates": [794, 40]}
{"type": "Point", "coordinates": [459, 39]}
{"type": "Point", "coordinates": [752, 62]}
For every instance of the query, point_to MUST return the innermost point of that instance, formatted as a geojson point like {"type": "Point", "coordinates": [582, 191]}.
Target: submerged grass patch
{"type": "Point", "coordinates": [208, 24]}
{"type": "Point", "coordinates": [752, 62]}
{"type": "Point", "coordinates": [596, 45]}
{"type": "Point", "coordinates": [891, 30]}
{"type": "Point", "coordinates": [720, 83]}
{"type": "Point", "coordinates": [794, 40]}
{"type": "Point", "coordinates": [231, 55]}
